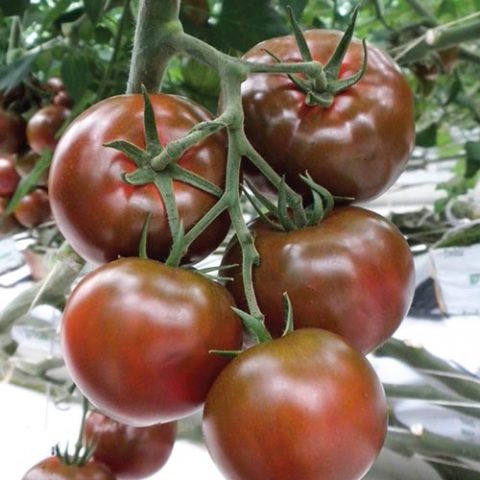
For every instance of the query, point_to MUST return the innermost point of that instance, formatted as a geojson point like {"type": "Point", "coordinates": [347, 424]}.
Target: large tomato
{"type": "Point", "coordinates": [136, 337]}
{"type": "Point", "coordinates": [98, 213]}
{"type": "Point", "coordinates": [130, 452]}
{"type": "Point", "coordinates": [44, 125]}
{"type": "Point", "coordinates": [12, 132]}
{"type": "Point", "coordinates": [352, 274]}
{"type": "Point", "coordinates": [305, 406]}
{"type": "Point", "coordinates": [358, 146]}
{"type": "Point", "coordinates": [52, 468]}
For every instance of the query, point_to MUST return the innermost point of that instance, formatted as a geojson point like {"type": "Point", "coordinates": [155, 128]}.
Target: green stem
{"type": "Point", "coordinates": [156, 23]}
{"type": "Point", "coordinates": [439, 38]}
{"type": "Point", "coordinates": [14, 39]}
{"type": "Point", "coordinates": [116, 48]}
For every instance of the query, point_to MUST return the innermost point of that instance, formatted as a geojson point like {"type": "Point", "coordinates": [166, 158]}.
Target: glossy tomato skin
{"type": "Point", "coordinates": [9, 177]}
{"type": "Point", "coordinates": [352, 274]}
{"type": "Point", "coordinates": [304, 406]}
{"type": "Point", "coordinates": [12, 132]}
{"type": "Point", "coordinates": [43, 127]}
{"type": "Point", "coordinates": [358, 146]}
{"type": "Point", "coordinates": [130, 452]}
{"type": "Point", "coordinates": [98, 213]}
{"type": "Point", "coordinates": [53, 469]}
{"type": "Point", "coordinates": [33, 209]}
{"type": "Point", "coordinates": [136, 337]}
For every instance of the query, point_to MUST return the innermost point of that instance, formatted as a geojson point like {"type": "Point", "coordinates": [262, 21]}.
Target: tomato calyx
{"type": "Point", "coordinates": [279, 216]}
{"type": "Point", "coordinates": [322, 89]}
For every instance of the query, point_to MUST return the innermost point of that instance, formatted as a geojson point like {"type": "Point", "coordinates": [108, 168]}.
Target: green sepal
{"type": "Point", "coordinates": [326, 197]}
{"type": "Point", "coordinates": [142, 246]}
{"type": "Point", "coordinates": [332, 67]}
{"type": "Point", "coordinates": [226, 353]}
{"type": "Point", "coordinates": [180, 174]}
{"type": "Point", "coordinates": [257, 205]}
{"type": "Point", "coordinates": [134, 153]}
{"type": "Point", "coordinates": [282, 207]}
{"type": "Point", "coordinates": [253, 325]}
{"type": "Point", "coordinates": [152, 141]}
{"type": "Point", "coordinates": [297, 31]}
{"type": "Point", "coordinates": [139, 177]}
{"type": "Point", "coordinates": [341, 85]}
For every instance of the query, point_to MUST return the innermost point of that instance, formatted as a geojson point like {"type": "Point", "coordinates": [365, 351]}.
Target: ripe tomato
{"type": "Point", "coordinates": [33, 209]}
{"type": "Point", "coordinates": [52, 468]}
{"type": "Point", "coordinates": [136, 337]}
{"type": "Point", "coordinates": [12, 132]}
{"type": "Point", "coordinates": [9, 177]}
{"type": "Point", "coordinates": [358, 146]}
{"type": "Point", "coordinates": [98, 213]}
{"type": "Point", "coordinates": [8, 223]}
{"type": "Point", "coordinates": [352, 274]}
{"type": "Point", "coordinates": [43, 127]}
{"type": "Point", "coordinates": [129, 452]}
{"type": "Point", "coordinates": [304, 406]}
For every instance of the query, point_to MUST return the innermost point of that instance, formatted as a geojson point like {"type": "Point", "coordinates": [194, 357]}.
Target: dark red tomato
{"type": "Point", "coordinates": [55, 84]}
{"type": "Point", "coordinates": [12, 132]}
{"type": "Point", "coordinates": [98, 213]}
{"type": "Point", "coordinates": [304, 406]}
{"type": "Point", "coordinates": [52, 468]}
{"type": "Point", "coordinates": [62, 98]}
{"type": "Point", "coordinates": [136, 337]}
{"type": "Point", "coordinates": [33, 209]}
{"type": "Point", "coordinates": [358, 146]}
{"type": "Point", "coordinates": [25, 163]}
{"type": "Point", "coordinates": [130, 452]}
{"type": "Point", "coordinates": [9, 177]}
{"type": "Point", "coordinates": [352, 274]}
{"type": "Point", "coordinates": [43, 127]}
{"type": "Point", "coordinates": [8, 223]}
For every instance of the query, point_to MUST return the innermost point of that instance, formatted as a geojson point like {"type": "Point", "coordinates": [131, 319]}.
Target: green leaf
{"type": "Point", "coordinates": [11, 8]}
{"type": "Point", "coordinates": [54, 13]}
{"type": "Point", "coordinates": [242, 24]}
{"type": "Point", "coordinates": [27, 183]}
{"type": "Point", "coordinates": [472, 160]}
{"type": "Point", "coordinates": [93, 9]}
{"type": "Point", "coordinates": [427, 137]}
{"type": "Point", "coordinates": [13, 73]}
{"type": "Point", "coordinates": [74, 73]}
{"type": "Point", "coordinates": [297, 6]}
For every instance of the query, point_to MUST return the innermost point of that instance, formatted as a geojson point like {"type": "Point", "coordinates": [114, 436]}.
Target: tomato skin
{"type": "Point", "coordinates": [352, 274]}
{"type": "Point", "coordinates": [136, 337]}
{"type": "Point", "coordinates": [8, 223]}
{"type": "Point", "coordinates": [12, 132]}
{"type": "Point", "coordinates": [33, 209]}
{"type": "Point", "coordinates": [9, 177]}
{"type": "Point", "coordinates": [43, 126]}
{"type": "Point", "coordinates": [358, 146]}
{"type": "Point", "coordinates": [130, 452]}
{"type": "Point", "coordinates": [305, 406]}
{"type": "Point", "coordinates": [53, 469]}
{"type": "Point", "coordinates": [83, 172]}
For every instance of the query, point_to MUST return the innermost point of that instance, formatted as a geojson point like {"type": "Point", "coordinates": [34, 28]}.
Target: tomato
{"type": "Point", "coordinates": [98, 213]}
{"type": "Point", "coordinates": [12, 132]}
{"type": "Point", "coordinates": [8, 223]}
{"type": "Point", "coordinates": [352, 274]}
{"type": "Point", "coordinates": [52, 468]}
{"type": "Point", "coordinates": [129, 452]}
{"type": "Point", "coordinates": [9, 177]}
{"type": "Point", "coordinates": [33, 209]}
{"type": "Point", "coordinates": [44, 125]}
{"type": "Point", "coordinates": [304, 406]}
{"type": "Point", "coordinates": [25, 163]}
{"type": "Point", "coordinates": [136, 337]}
{"type": "Point", "coordinates": [358, 146]}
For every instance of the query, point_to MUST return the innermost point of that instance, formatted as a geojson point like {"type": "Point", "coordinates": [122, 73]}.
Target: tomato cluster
{"type": "Point", "coordinates": [149, 342]}
{"type": "Point", "coordinates": [30, 118]}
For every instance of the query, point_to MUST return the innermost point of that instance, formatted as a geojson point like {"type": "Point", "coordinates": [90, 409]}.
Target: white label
{"type": "Point", "coordinates": [456, 271]}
